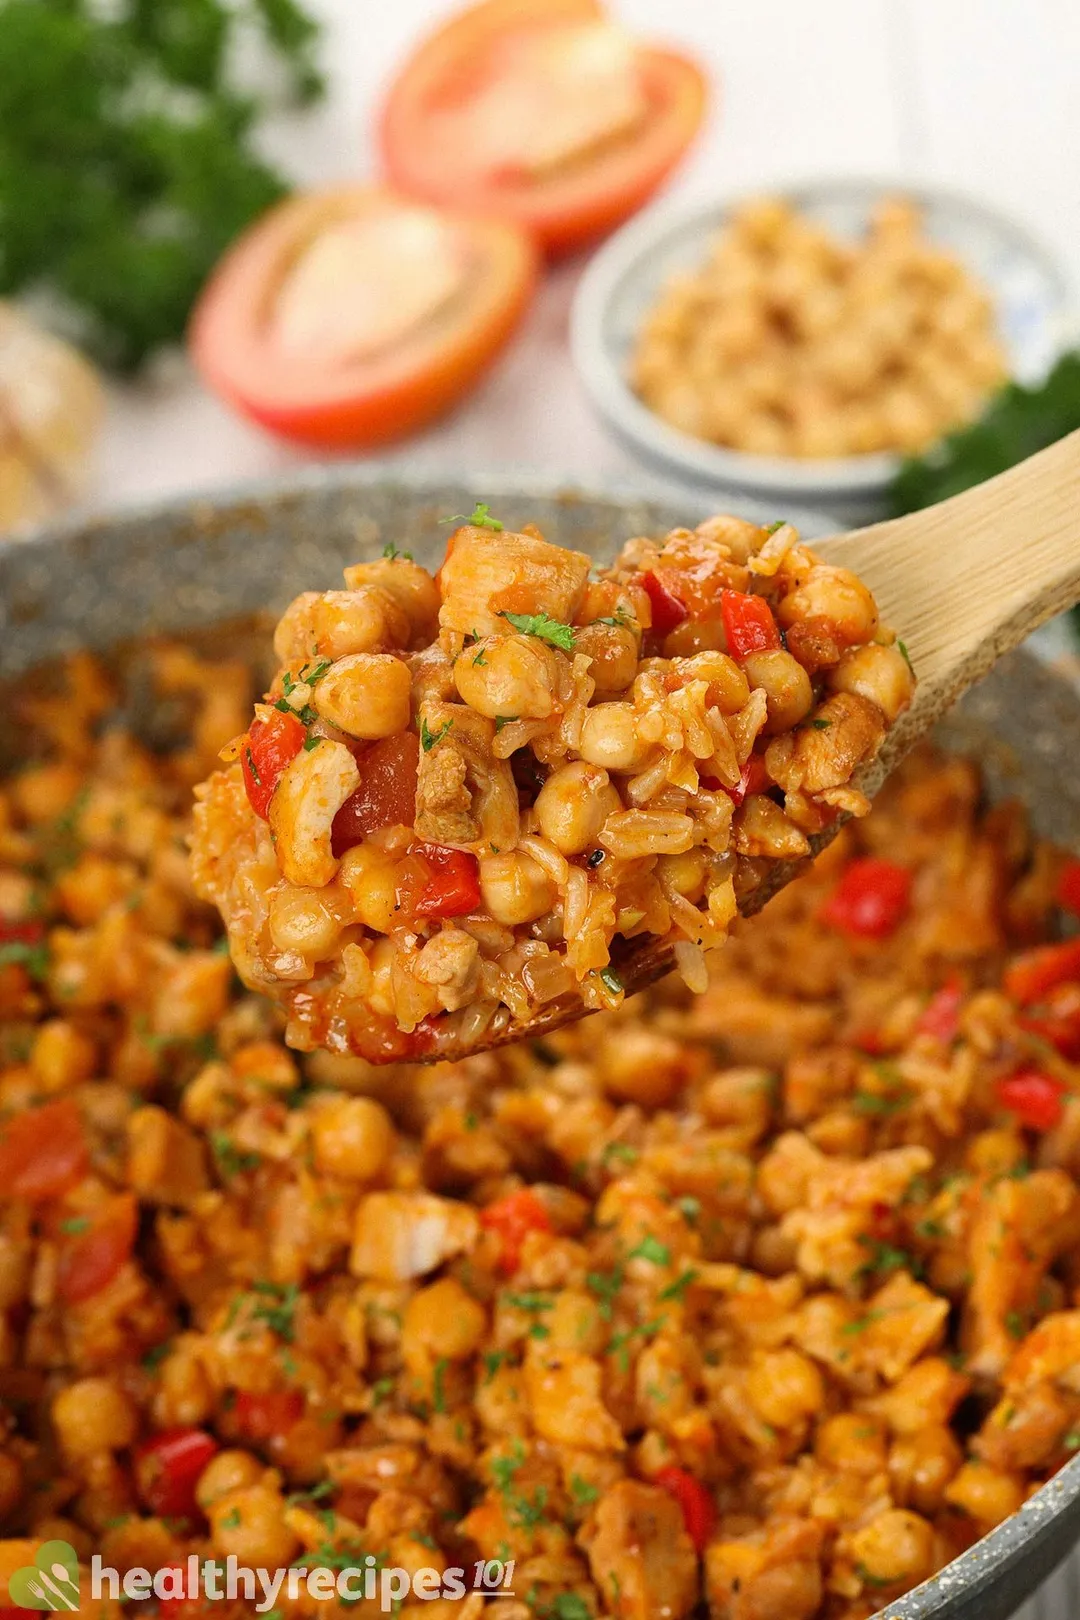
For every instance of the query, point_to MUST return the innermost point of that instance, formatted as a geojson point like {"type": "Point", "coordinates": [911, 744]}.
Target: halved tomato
{"type": "Point", "coordinates": [544, 112]}
{"type": "Point", "coordinates": [350, 317]}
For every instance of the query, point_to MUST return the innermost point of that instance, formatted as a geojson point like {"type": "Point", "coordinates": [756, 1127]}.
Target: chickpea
{"type": "Point", "coordinates": [442, 1320]}
{"type": "Point", "coordinates": [229, 1471]}
{"type": "Point", "coordinates": [93, 1415]}
{"type": "Point", "coordinates": [301, 920]}
{"type": "Point", "coordinates": [332, 624]}
{"type": "Point", "coordinates": [988, 1495]}
{"type": "Point", "coordinates": [409, 585]}
{"type": "Point", "coordinates": [513, 676]}
{"type": "Point", "coordinates": [881, 674]}
{"type": "Point", "coordinates": [250, 1525]}
{"type": "Point", "coordinates": [684, 874]}
{"type": "Point", "coordinates": [897, 1546]}
{"type": "Point", "coordinates": [515, 888]}
{"type": "Point", "coordinates": [851, 1441]}
{"type": "Point", "coordinates": [613, 649]}
{"type": "Point", "coordinates": [837, 595]}
{"type": "Point", "coordinates": [609, 737]}
{"type": "Point", "coordinates": [921, 1466]}
{"type": "Point", "coordinates": [369, 875]}
{"type": "Point", "coordinates": [62, 1055]}
{"type": "Point", "coordinates": [785, 1387]}
{"type": "Point", "coordinates": [729, 686]}
{"type": "Point", "coordinates": [367, 695]}
{"type": "Point", "coordinates": [789, 697]}
{"type": "Point", "coordinates": [573, 805]}
{"type": "Point", "coordinates": [352, 1137]}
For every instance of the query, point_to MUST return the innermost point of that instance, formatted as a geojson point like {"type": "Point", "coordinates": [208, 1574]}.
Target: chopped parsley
{"type": "Point", "coordinates": [875, 1102]}
{"type": "Point", "coordinates": [157, 1353]}
{"type": "Point", "coordinates": [438, 1385]}
{"type": "Point", "coordinates": [479, 661]}
{"type": "Point", "coordinates": [618, 620]}
{"type": "Point", "coordinates": [493, 1360]}
{"type": "Point", "coordinates": [605, 1285]}
{"type": "Point", "coordinates": [310, 743]}
{"type": "Point", "coordinates": [231, 1160]}
{"type": "Point", "coordinates": [504, 720]}
{"type": "Point", "coordinates": [676, 1290]}
{"type": "Point", "coordinates": [75, 1224]}
{"type": "Point", "coordinates": [621, 1151]}
{"type": "Point", "coordinates": [252, 767]}
{"type": "Point", "coordinates": [275, 1304]}
{"type": "Point", "coordinates": [906, 656]}
{"type": "Point", "coordinates": [570, 1606]}
{"type": "Point", "coordinates": [821, 725]}
{"type": "Point", "coordinates": [429, 738]}
{"type": "Point", "coordinates": [480, 517]}
{"type": "Point", "coordinates": [1015, 1326]}
{"type": "Point", "coordinates": [391, 553]}
{"type": "Point", "coordinates": [885, 1258]}
{"type": "Point", "coordinates": [543, 627]}
{"type": "Point", "coordinates": [651, 1249]}
{"type": "Point", "coordinates": [771, 528]}
{"type": "Point", "coordinates": [619, 1346]}
{"type": "Point", "coordinates": [34, 958]}
{"type": "Point", "coordinates": [611, 979]}
{"type": "Point", "coordinates": [689, 1208]}
{"type": "Point", "coordinates": [583, 1492]}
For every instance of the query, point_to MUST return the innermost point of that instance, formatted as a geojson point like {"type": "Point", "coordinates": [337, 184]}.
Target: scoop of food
{"type": "Point", "coordinates": [496, 799]}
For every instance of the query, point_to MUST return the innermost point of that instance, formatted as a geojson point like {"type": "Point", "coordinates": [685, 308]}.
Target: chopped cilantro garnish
{"type": "Point", "coordinates": [429, 738]}
{"type": "Point", "coordinates": [543, 627]}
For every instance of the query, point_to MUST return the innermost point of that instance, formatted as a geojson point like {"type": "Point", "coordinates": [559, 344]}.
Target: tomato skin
{"type": "Point", "coordinates": [871, 899]}
{"type": "Point", "coordinates": [1035, 1099]}
{"type": "Point", "coordinates": [43, 1152]}
{"type": "Point", "coordinates": [265, 1417]}
{"type": "Point", "coordinates": [167, 1469]}
{"type": "Point", "coordinates": [1068, 887]}
{"type": "Point", "coordinates": [695, 1500]}
{"type": "Point", "coordinates": [1031, 975]}
{"type": "Point", "coordinates": [668, 608]}
{"type": "Point", "coordinates": [271, 745]}
{"type": "Point", "coordinates": [563, 213]}
{"type": "Point", "coordinates": [89, 1260]}
{"type": "Point", "coordinates": [513, 1218]}
{"type": "Point", "coordinates": [453, 888]}
{"type": "Point", "coordinates": [386, 796]}
{"type": "Point", "coordinates": [940, 1016]}
{"type": "Point", "coordinates": [748, 623]}
{"type": "Point", "coordinates": [353, 405]}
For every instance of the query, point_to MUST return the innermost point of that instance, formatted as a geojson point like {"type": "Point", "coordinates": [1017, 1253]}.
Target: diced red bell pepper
{"type": "Point", "coordinates": [513, 1218]}
{"type": "Point", "coordinates": [266, 1417]}
{"type": "Point", "coordinates": [755, 778]}
{"type": "Point", "coordinates": [451, 882]}
{"type": "Point", "coordinates": [668, 608]}
{"type": "Point", "coordinates": [43, 1151]}
{"type": "Point", "coordinates": [90, 1257]}
{"type": "Point", "coordinates": [30, 931]}
{"type": "Point", "coordinates": [1060, 1029]}
{"type": "Point", "coordinates": [698, 1507]}
{"type": "Point", "coordinates": [1030, 976]}
{"type": "Point", "coordinates": [167, 1469]}
{"type": "Point", "coordinates": [940, 1018]}
{"type": "Point", "coordinates": [748, 623]}
{"type": "Point", "coordinates": [1035, 1099]}
{"type": "Point", "coordinates": [386, 796]}
{"type": "Point", "coordinates": [270, 746]}
{"type": "Point", "coordinates": [871, 899]}
{"type": "Point", "coordinates": [1068, 887]}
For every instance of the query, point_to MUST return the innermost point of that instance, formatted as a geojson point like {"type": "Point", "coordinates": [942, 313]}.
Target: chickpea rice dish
{"type": "Point", "coordinates": [761, 1305]}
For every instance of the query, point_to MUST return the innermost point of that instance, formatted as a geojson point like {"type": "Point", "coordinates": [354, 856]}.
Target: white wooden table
{"type": "Point", "coordinates": [982, 94]}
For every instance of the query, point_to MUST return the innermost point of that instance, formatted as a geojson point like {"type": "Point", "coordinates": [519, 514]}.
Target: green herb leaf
{"type": "Point", "coordinates": [502, 720]}
{"type": "Point", "coordinates": [543, 627]}
{"type": "Point", "coordinates": [611, 979]}
{"type": "Point", "coordinates": [429, 738]}
{"type": "Point", "coordinates": [391, 553]}
{"type": "Point", "coordinates": [677, 1289]}
{"type": "Point", "coordinates": [651, 1249]}
{"type": "Point", "coordinates": [480, 517]}
{"type": "Point", "coordinates": [75, 1224]}
{"type": "Point", "coordinates": [34, 958]}
{"type": "Point", "coordinates": [310, 743]}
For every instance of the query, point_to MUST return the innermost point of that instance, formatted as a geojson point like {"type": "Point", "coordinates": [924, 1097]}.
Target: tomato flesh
{"type": "Point", "coordinates": [446, 885]}
{"type": "Point", "coordinates": [167, 1469]}
{"type": "Point", "coordinates": [748, 623]}
{"type": "Point", "coordinates": [513, 1218]}
{"type": "Point", "coordinates": [668, 608]}
{"type": "Point", "coordinates": [1036, 1099]}
{"type": "Point", "coordinates": [89, 1258]}
{"type": "Point", "coordinates": [871, 899]}
{"type": "Point", "coordinates": [386, 796]}
{"type": "Point", "coordinates": [1030, 976]}
{"type": "Point", "coordinates": [695, 1500]}
{"type": "Point", "coordinates": [266, 1417]}
{"type": "Point", "coordinates": [31, 931]}
{"type": "Point", "coordinates": [271, 745]}
{"type": "Point", "coordinates": [43, 1152]}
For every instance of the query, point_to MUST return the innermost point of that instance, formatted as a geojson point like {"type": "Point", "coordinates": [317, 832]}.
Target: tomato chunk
{"type": "Point", "coordinates": [871, 899]}
{"type": "Point", "coordinates": [1031, 975]}
{"type": "Point", "coordinates": [748, 623]}
{"type": "Point", "coordinates": [698, 1507]}
{"type": "Point", "coordinates": [668, 608]}
{"type": "Point", "coordinates": [1068, 887]}
{"type": "Point", "coordinates": [1035, 1098]}
{"type": "Point", "coordinates": [940, 1016]}
{"type": "Point", "coordinates": [264, 1417]}
{"type": "Point", "coordinates": [271, 745]}
{"type": "Point", "coordinates": [43, 1152]}
{"type": "Point", "coordinates": [91, 1255]}
{"type": "Point", "coordinates": [386, 796]}
{"type": "Point", "coordinates": [167, 1469]}
{"type": "Point", "coordinates": [31, 931]}
{"type": "Point", "coordinates": [450, 884]}
{"type": "Point", "coordinates": [755, 778]}
{"type": "Point", "coordinates": [513, 1218]}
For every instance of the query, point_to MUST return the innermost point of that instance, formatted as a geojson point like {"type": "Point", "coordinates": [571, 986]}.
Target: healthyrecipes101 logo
{"type": "Point", "coordinates": [52, 1582]}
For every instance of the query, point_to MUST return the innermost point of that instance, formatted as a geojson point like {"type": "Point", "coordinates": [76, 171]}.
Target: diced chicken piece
{"type": "Point", "coordinates": [487, 573]}
{"type": "Point", "coordinates": [166, 1163]}
{"type": "Point", "coordinates": [902, 1321]}
{"type": "Point", "coordinates": [399, 1235]}
{"type": "Point", "coordinates": [775, 1575]}
{"type": "Point", "coordinates": [407, 584]}
{"type": "Point", "coordinates": [450, 962]}
{"type": "Point", "coordinates": [312, 789]}
{"type": "Point", "coordinates": [464, 795]}
{"type": "Point", "coordinates": [847, 731]}
{"type": "Point", "coordinates": [567, 1403]}
{"type": "Point", "coordinates": [331, 624]}
{"type": "Point", "coordinates": [641, 1557]}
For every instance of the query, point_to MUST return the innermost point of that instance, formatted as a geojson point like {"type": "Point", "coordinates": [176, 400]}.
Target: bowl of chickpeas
{"type": "Point", "coordinates": [800, 345]}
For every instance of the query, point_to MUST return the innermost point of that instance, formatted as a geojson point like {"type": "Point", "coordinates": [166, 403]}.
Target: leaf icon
{"type": "Point", "coordinates": [51, 1582]}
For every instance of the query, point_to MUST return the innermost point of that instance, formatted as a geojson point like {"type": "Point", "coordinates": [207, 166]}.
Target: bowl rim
{"type": "Point", "coordinates": [828, 478]}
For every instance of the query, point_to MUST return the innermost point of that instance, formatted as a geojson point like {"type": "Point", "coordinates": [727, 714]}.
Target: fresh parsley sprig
{"type": "Point", "coordinates": [543, 627]}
